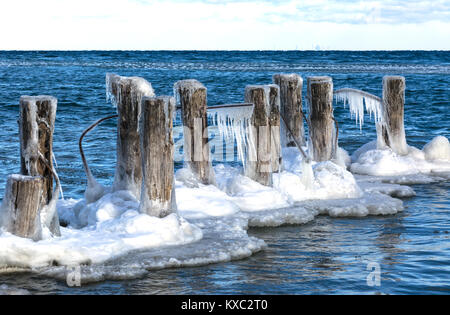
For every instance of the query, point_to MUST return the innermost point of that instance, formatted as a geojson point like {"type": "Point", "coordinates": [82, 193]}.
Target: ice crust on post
{"type": "Point", "coordinates": [126, 94]}
{"type": "Point", "coordinates": [36, 128]}
{"type": "Point", "coordinates": [192, 95]}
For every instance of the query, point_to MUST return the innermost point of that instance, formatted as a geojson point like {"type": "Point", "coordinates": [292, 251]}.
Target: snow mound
{"type": "Point", "coordinates": [112, 228]}
{"type": "Point", "coordinates": [437, 149]}
{"type": "Point", "coordinates": [434, 158]}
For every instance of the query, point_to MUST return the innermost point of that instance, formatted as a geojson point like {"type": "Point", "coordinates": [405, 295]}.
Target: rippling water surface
{"type": "Point", "coordinates": [326, 256]}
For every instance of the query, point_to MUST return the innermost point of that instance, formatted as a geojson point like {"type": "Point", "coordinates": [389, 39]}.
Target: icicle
{"type": "Point", "coordinates": [307, 174]}
{"type": "Point", "coordinates": [233, 125]}
{"type": "Point", "coordinates": [356, 100]}
{"type": "Point", "coordinates": [110, 97]}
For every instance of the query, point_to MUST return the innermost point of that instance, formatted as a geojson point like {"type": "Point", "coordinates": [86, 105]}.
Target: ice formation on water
{"type": "Point", "coordinates": [233, 123]}
{"type": "Point", "coordinates": [110, 239]}
{"type": "Point", "coordinates": [434, 159]}
{"type": "Point", "coordinates": [356, 100]}
{"type": "Point", "coordinates": [112, 227]}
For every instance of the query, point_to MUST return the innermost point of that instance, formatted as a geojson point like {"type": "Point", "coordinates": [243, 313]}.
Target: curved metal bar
{"type": "Point", "coordinates": [80, 142]}
{"type": "Point", "coordinates": [224, 106]}
{"type": "Point", "coordinates": [295, 140]}
{"type": "Point", "coordinates": [55, 175]}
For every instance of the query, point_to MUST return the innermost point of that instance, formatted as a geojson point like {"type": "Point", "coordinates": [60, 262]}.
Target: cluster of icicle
{"type": "Point", "coordinates": [233, 124]}
{"type": "Point", "coordinates": [356, 100]}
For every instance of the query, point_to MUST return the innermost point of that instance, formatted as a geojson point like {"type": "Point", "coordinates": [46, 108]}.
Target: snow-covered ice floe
{"type": "Point", "coordinates": [417, 166]}
{"type": "Point", "coordinates": [110, 239]}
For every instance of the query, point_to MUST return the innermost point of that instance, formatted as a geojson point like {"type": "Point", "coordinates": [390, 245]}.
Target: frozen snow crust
{"type": "Point", "coordinates": [432, 160]}
{"type": "Point", "coordinates": [110, 239]}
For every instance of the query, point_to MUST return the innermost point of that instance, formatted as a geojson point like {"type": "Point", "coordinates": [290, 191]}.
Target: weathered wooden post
{"type": "Point", "coordinates": [392, 132]}
{"type": "Point", "coordinates": [157, 147]}
{"type": "Point", "coordinates": [127, 94]}
{"type": "Point", "coordinates": [36, 127]}
{"type": "Point", "coordinates": [20, 211]}
{"type": "Point", "coordinates": [321, 123]}
{"type": "Point", "coordinates": [291, 86]}
{"type": "Point", "coordinates": [274, 123]}
{"type": "Point", "coordinates": [192, 96]}
{"type": "Point", "coordinates": [259, 157]}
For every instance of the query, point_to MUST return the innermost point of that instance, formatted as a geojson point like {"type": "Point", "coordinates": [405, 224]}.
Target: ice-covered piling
{"type": "Point", "coordinates": [126, 93]}
{"type": "Point", "coordinates": [321, 122]}
{"type": "Point", "coordinates": [23, 201]}
{"type": "Point", "coordinates": [36, 127]}
{"type": "Point", "coordinates": [157, 147]}
{"type": "Point", "coordinates": [192, 97]}
{"type": "Point", "coordinates": [392, 132]}
{"type": "Point", "coordinates": [291, 109]}
{"type": "Point", "coordinates": [264, 149]}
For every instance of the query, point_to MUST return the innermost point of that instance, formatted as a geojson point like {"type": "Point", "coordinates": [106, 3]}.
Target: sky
{"type": "Point", "coordinates": [224, 25]}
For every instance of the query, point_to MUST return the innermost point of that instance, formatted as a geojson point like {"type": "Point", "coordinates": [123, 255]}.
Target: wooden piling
{"type": "Point", "coordinates": [392, 131]}
{"type": "Point", "coordinates": [157, 147]}
{"type": "Point", "coordinates": [321, 123]}
{"type": "Point", "coordinates": [127, 94]}
{"type": "Point", "coordinates": [192, 96]}
{"type": "Point", "coordinates": [259, 155]}
{"type": "Point", "coordinates": [291, 108]}
{"type": "Point", "coordinates": [24, 198]}
{"type": "Point", "coordinates": [274, 123]}
{"type": "Point", "coordinates": [36, 127]}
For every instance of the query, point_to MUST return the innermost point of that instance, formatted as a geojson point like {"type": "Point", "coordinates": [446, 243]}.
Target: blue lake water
{"type": "Point", "coordinates": [327, 255]}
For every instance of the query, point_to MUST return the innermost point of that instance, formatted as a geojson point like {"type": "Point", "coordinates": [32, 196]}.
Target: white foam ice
{"type": "Point", "coordinates": [224, 239]}
{"type": "Point", "coordinates": [374, 203]}
{"type": "Point", "coordinates": [433, 159]}
{"type": "Point", "coordinates": [114, 228]}
{"type": "Point", "coordinates": [437, 149]}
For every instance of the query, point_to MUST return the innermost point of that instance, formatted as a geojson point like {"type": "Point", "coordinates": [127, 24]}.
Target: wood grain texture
{"type": "Point", "coordinates": [24, 198]}
{"type": "Point", "coordinates": [321, 124]}
{"type": "Point", "coordinates": [128, 93]}
{"type": "Point", "coordinates": [259, 157]}
{"type": "Point", "coordinates": [157, 147]}
{"type": "Point", "coordinates": [291, 107]}
{"type": "Point", "coordinates": [193, 101]}
{"type": "Point", "coordinates": [393, 130]}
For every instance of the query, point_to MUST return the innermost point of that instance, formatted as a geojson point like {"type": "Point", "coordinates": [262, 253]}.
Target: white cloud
{"type": "Point", "coordinates": [211, 24]}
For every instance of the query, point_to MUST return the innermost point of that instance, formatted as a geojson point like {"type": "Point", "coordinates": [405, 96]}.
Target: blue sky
{"type": "Point", "coordinates": [225, 24]}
